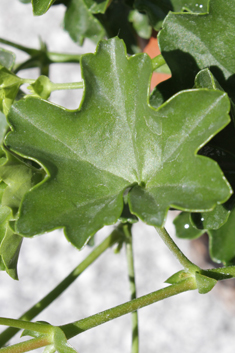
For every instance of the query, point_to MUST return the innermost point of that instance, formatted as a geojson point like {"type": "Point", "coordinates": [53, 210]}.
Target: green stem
{"type": "Point", "coordinates": [56, 58]}
{"type": "Point", "coordinates": [27, 50]}
{"type": "Point", "coordinates": [158, 61]}
{"type": "Point", "coordinates": [58, 86]}
{"type": "Point", "coordinates": [52, 57]}
{"type": "Point", "coordinates": [77, 327]}
{"type": "Point", "coordinates": [131, 275]}
{"type": "Point", "coordinates": [27, 345]}
{"type": "Point", "coordinates": [65, 86]}
{"type": "Point", "coordinates": [220, 273]}
{"type": "Point", "coordinates": [185, 262]}
{"type": "Point", "coordinates": [114, 237]}
{"type": "Point", "coordinates": [25, 325]}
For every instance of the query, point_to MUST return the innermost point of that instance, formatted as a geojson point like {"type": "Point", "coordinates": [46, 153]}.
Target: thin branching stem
{"type": "Point", "coordinates": [131, 276]}
{"type": "Point", "coordinates": [185, 262]}
{"type": "Point", "coordinates": [80, 326]}
{"type": "Point", "coordinates": [27, 345]}
{"type": "Point", "coordinates": [113, 238]}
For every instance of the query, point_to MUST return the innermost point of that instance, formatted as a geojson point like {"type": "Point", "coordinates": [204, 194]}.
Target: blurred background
{"type": "Point", "coordinates": [189, 322]}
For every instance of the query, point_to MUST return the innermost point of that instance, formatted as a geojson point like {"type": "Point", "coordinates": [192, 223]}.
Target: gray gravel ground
{"type": "Point", "coordinates": [189, 322]}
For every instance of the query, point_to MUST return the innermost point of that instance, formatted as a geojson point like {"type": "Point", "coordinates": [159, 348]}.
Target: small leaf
{"type": "Point", "coordinates": [222, 242]}
{"type": "Point", "coordinates": [178, 277]}
{"type": "Point", "coordinates": [41, 6]}
{"type": "Point", "coordinates": [141, 24]}
{"type": "Point", "coordinates": [60, 342]}
{"type": "Point", "coordinates": [9, 87]}
{"type": "Point", "coordinates": [9, 243]}
{"type": "Point", "coordinates": [18, 178]}
{"type": "Point", "coordinates": [211, 220]}
{"type": "Point", "coordinates": [81, 24]}
{"type": "Point", "coordinates": [184, 228]}
{"type": "Point", "coordinates": [204, 284]}
{"type": "Point", "coordinates": [42, 87]}
{"type": "Point", "coordinates": [97, 6]}
{"type": "Point", "coordinates": [116, 23]}
{"type": "Point", "coordinates": [7, 58]}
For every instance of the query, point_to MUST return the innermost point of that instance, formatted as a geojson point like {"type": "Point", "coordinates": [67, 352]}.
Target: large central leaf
{"type": "Point", "coordinates": [115, 143]}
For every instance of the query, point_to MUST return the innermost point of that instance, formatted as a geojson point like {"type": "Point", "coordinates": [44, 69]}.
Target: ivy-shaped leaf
{"type": "Point", "coordinates": [115, 142]}
{"type": "Point", "coordinates": [221, 240]}
{"type": "Point", "coordinates": [192, 42]}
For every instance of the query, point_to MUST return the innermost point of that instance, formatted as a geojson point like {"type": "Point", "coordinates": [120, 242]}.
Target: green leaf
{"type": "Point", "coordinates": [211, 220]}
{"type": "Point", "coordinates": [140, 24]}
{"type": "Point", "coordinates": [184, 228]}
{"type": "Point", "coordinates": [116, 23]}
{"type": "Point", "coordinates": [116, 141]}
{"type": "Point", "coordinates": [221, 239]}
{"type": "Point", "coordinates": [97, 6]}
{"type": "Point", "coordinates": [7, 58]}
{"type": "Point", "coordinates": [157, 10]}
{"type": "Point", "coordinates": [222, 242]}
{"type": "Point", "coordinates": [41, 6]}
{"type": "Point", "coordinates": [60, 342]}
{"type": "Point", "coordinates": [42, 87]}
{"type": "Point", "coordinates": [57, 337]}
{"type": "Point", "coordinates": [9, 251]}
{"type": "Point", "coordinates": [192, 42]}
{"type": "Point", "coordinates": [178, 277]}
{"type": "Point", "coordinates": [81, 24]}
{"type": "Point", "coordinates": [9, 87]}
{"type": "Point", "coordinates": [17, 179]}
{"type": "Point", "coordinates": [204, 283]}
{"type": "Point", "coordinates": [3, 127]}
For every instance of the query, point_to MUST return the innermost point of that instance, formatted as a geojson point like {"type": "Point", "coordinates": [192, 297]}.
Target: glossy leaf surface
{"type": "Point", "coordinates": [221, 240]}
{"type": "Point", "coordinates": [184, 228]}
{"type": "Point", "coordinates": [114, 142]}
{"type": "Point", "coordinates": [191, 42]}
{"type": "Point", "coordinates": [211, 220]}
